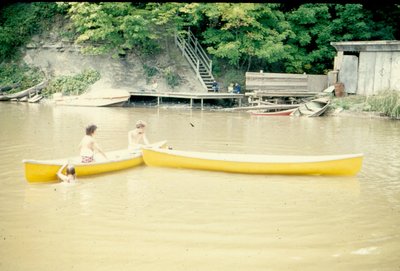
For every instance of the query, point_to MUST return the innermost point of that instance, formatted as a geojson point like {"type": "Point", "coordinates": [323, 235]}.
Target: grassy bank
{"type": "Point", "coordinates": [385, 102]}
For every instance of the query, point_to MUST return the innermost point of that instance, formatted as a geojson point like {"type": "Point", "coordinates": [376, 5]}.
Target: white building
{"type": "Point", "coordinates": [367, 67]}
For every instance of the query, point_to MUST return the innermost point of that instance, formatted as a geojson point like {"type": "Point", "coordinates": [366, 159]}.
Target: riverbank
{"type": "Point", "coordinates": [340, 112]}
{"type": "Point", "coordinates": [385, 104]}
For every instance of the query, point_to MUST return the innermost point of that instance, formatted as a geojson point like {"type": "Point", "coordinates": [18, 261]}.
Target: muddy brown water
{"type": "Point", "coordinates": [150, 218]}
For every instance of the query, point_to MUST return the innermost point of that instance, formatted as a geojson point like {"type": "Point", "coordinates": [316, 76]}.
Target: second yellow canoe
{"type": "Point", "coordinates": [347, 164]}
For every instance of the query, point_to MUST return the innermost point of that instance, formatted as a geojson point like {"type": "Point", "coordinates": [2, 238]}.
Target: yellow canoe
{"type": "Point", "coordinates": [348, 164]}
{"type": "Point", "coordinates": [37, 171]}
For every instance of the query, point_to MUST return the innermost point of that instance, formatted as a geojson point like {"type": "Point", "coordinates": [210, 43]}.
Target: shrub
{"type": "Point", "coordinates": [386, 102]}
{"type": "Point", "coordinates": [150, 71]}
{"type": "Point", "coordinates": [72, 85]}
{"type": "Point", "coordinates": [22, 74]}
{"type": "Point", "coordinates": [173, 79]}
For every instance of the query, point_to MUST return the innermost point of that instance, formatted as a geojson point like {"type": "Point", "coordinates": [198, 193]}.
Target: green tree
{"type": "Point", "coordinates": [18, 22]}
{"type": "Point", "coordinates": [113, 27]}
{"type": "Point", "coordinates": [242, 33]}
{"type": "Point", "coordinates": [310, 48]}
{"type": "Point", "coordinates": [316, 25]}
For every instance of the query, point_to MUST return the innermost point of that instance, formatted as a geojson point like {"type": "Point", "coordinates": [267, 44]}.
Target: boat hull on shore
{"type": "Point", "coordinates": [96, 102]}
{"type": "Point", "coordinates": [113, 98]}
{"type": "Point", "coordinates": [24, 93]}
{"type": "Point", "coordinates": [286, 112]}
{"type": "Point", "coordinates": [347, 165]}
{"type": "Point", "coordinates": [313, 108]}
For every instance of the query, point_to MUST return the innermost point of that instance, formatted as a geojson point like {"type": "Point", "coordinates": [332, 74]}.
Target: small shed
{"type": "Point", "coordinates": [367, 67]}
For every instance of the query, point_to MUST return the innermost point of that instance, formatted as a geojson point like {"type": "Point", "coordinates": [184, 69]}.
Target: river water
{"type": "Point", "coordinates": [150, 218]}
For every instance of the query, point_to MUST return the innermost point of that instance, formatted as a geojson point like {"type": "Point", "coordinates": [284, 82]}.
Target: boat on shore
{"type": "Point", "coordinates": [97, 99]}
{"type": "Point", "coordinates": [41, 171]}
{"type": "Point", "coordinates": [27, 92]}
{"type": "Point", "coordinates": [313, 108]}
{"type": "Point", "coordinates": [285, 112]}
{"type": "Point", "coordinates": [345, 165]}
{"type": "Point", "coordinates": [35, 98]}
{"type": "Point", "coordinates": [4, 97]}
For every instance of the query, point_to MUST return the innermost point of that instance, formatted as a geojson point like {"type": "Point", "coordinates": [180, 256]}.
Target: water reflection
{"type": "Point", "coordinates": [152, 218]}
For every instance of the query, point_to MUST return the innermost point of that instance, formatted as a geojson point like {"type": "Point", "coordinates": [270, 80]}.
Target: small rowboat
{"type": "Point", "coordinates": [286, 112]}
{"type": "Point", "coordinates": [37, 171]}
{"type": "Point", "coordinates": [313, 108]}
{"type": "Point", "coordinates": [348, 164]}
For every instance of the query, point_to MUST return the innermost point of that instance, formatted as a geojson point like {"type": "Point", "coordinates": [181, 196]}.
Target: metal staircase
{"type": "Point", "coordinates": [197, 58]}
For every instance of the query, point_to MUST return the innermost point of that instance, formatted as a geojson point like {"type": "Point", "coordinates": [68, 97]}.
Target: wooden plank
{"type": "Point", "coordinates": [277, 89]}
{"type": "Point", "coordinates": [382, 71]}
{"type": "Point", "coordinates": [276, 82]}
{"type": "Point", "coordinates": [366, 71]}
{"type": "Point", "coordinates": [267, 84]}
{"type": "Point", "coordinates": [395, 72]}
{"type": "Point", "coordinates": [349, 73]}
{"type": "Point", "coordinates": [275, 75]}
{"type": "Point", "coordinates": [280, 94]}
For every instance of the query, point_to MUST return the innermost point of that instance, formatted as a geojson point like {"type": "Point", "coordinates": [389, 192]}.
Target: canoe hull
{"type": "Point", "coordinates": [45, 171]}
{"type": "Point", "coordinates": [39, 171]}
{"type": "Point", "coordinates": [346, 165]}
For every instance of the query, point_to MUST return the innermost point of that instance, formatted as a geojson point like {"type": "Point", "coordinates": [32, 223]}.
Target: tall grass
{"type": "Point", "coordinates": [386, 102]}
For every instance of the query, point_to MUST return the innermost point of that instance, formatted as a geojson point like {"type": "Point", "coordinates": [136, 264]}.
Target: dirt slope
{"type": "Point", "coordinates": [57, 56]}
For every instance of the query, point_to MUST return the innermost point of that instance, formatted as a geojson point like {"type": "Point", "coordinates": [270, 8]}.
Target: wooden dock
{"type": "Point", "coordinates": [189, 96]}
{"type": "Point", "coordinates": [282, 87]}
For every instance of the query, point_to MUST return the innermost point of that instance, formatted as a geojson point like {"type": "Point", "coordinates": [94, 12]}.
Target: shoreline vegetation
{"type": "Point", "coordinates": [384, 104]}
{"type": "Point", "coordinates": [238, 37]}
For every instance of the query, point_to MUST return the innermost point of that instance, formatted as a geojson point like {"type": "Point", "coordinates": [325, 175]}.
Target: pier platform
{"type": "Point", "coordinates": [191, 96]}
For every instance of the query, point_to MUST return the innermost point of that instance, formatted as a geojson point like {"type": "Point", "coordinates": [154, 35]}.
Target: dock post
{"type": "Point", "coordinates": [191, 102]}
{"type": "Point", "coordinates": [158, 101]}
{"type": "Point", "coordinates": [201, 101]}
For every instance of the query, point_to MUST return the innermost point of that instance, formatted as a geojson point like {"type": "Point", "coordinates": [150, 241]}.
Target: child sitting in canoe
{"type": "Point", "coordinates": [88, 145]}
{"type": "Point", "coordinates": [137, 137]}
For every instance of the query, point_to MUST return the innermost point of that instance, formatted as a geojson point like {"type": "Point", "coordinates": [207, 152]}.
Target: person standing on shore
{"type": "Point", "coordinates": [88, 145]}
{"type": "Point", "coordinates": [237, 88]}
{"type": "Point", "coordinates": [215, 86]}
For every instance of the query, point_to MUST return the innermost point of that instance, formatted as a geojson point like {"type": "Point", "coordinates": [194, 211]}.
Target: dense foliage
{"type": "Point", "coordinates": [243, 36]}
{"type": "Point", "coordinates": [18, 22]}
{"type": "Point", "coordinates": [72, 85]}
{"type": "Point", "coordinates": [19, 76]}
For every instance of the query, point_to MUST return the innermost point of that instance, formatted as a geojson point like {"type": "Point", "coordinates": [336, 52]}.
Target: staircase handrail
{"type": "Point", "coordinates": [185, 49]}
{"type": "Point", "coordinates": [180, 42]}
{"type": "Point", "coordinates": [201, 53]}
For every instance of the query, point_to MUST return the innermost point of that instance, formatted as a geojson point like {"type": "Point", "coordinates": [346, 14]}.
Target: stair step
{"type": "Point", "coordinates": [191, 55]}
